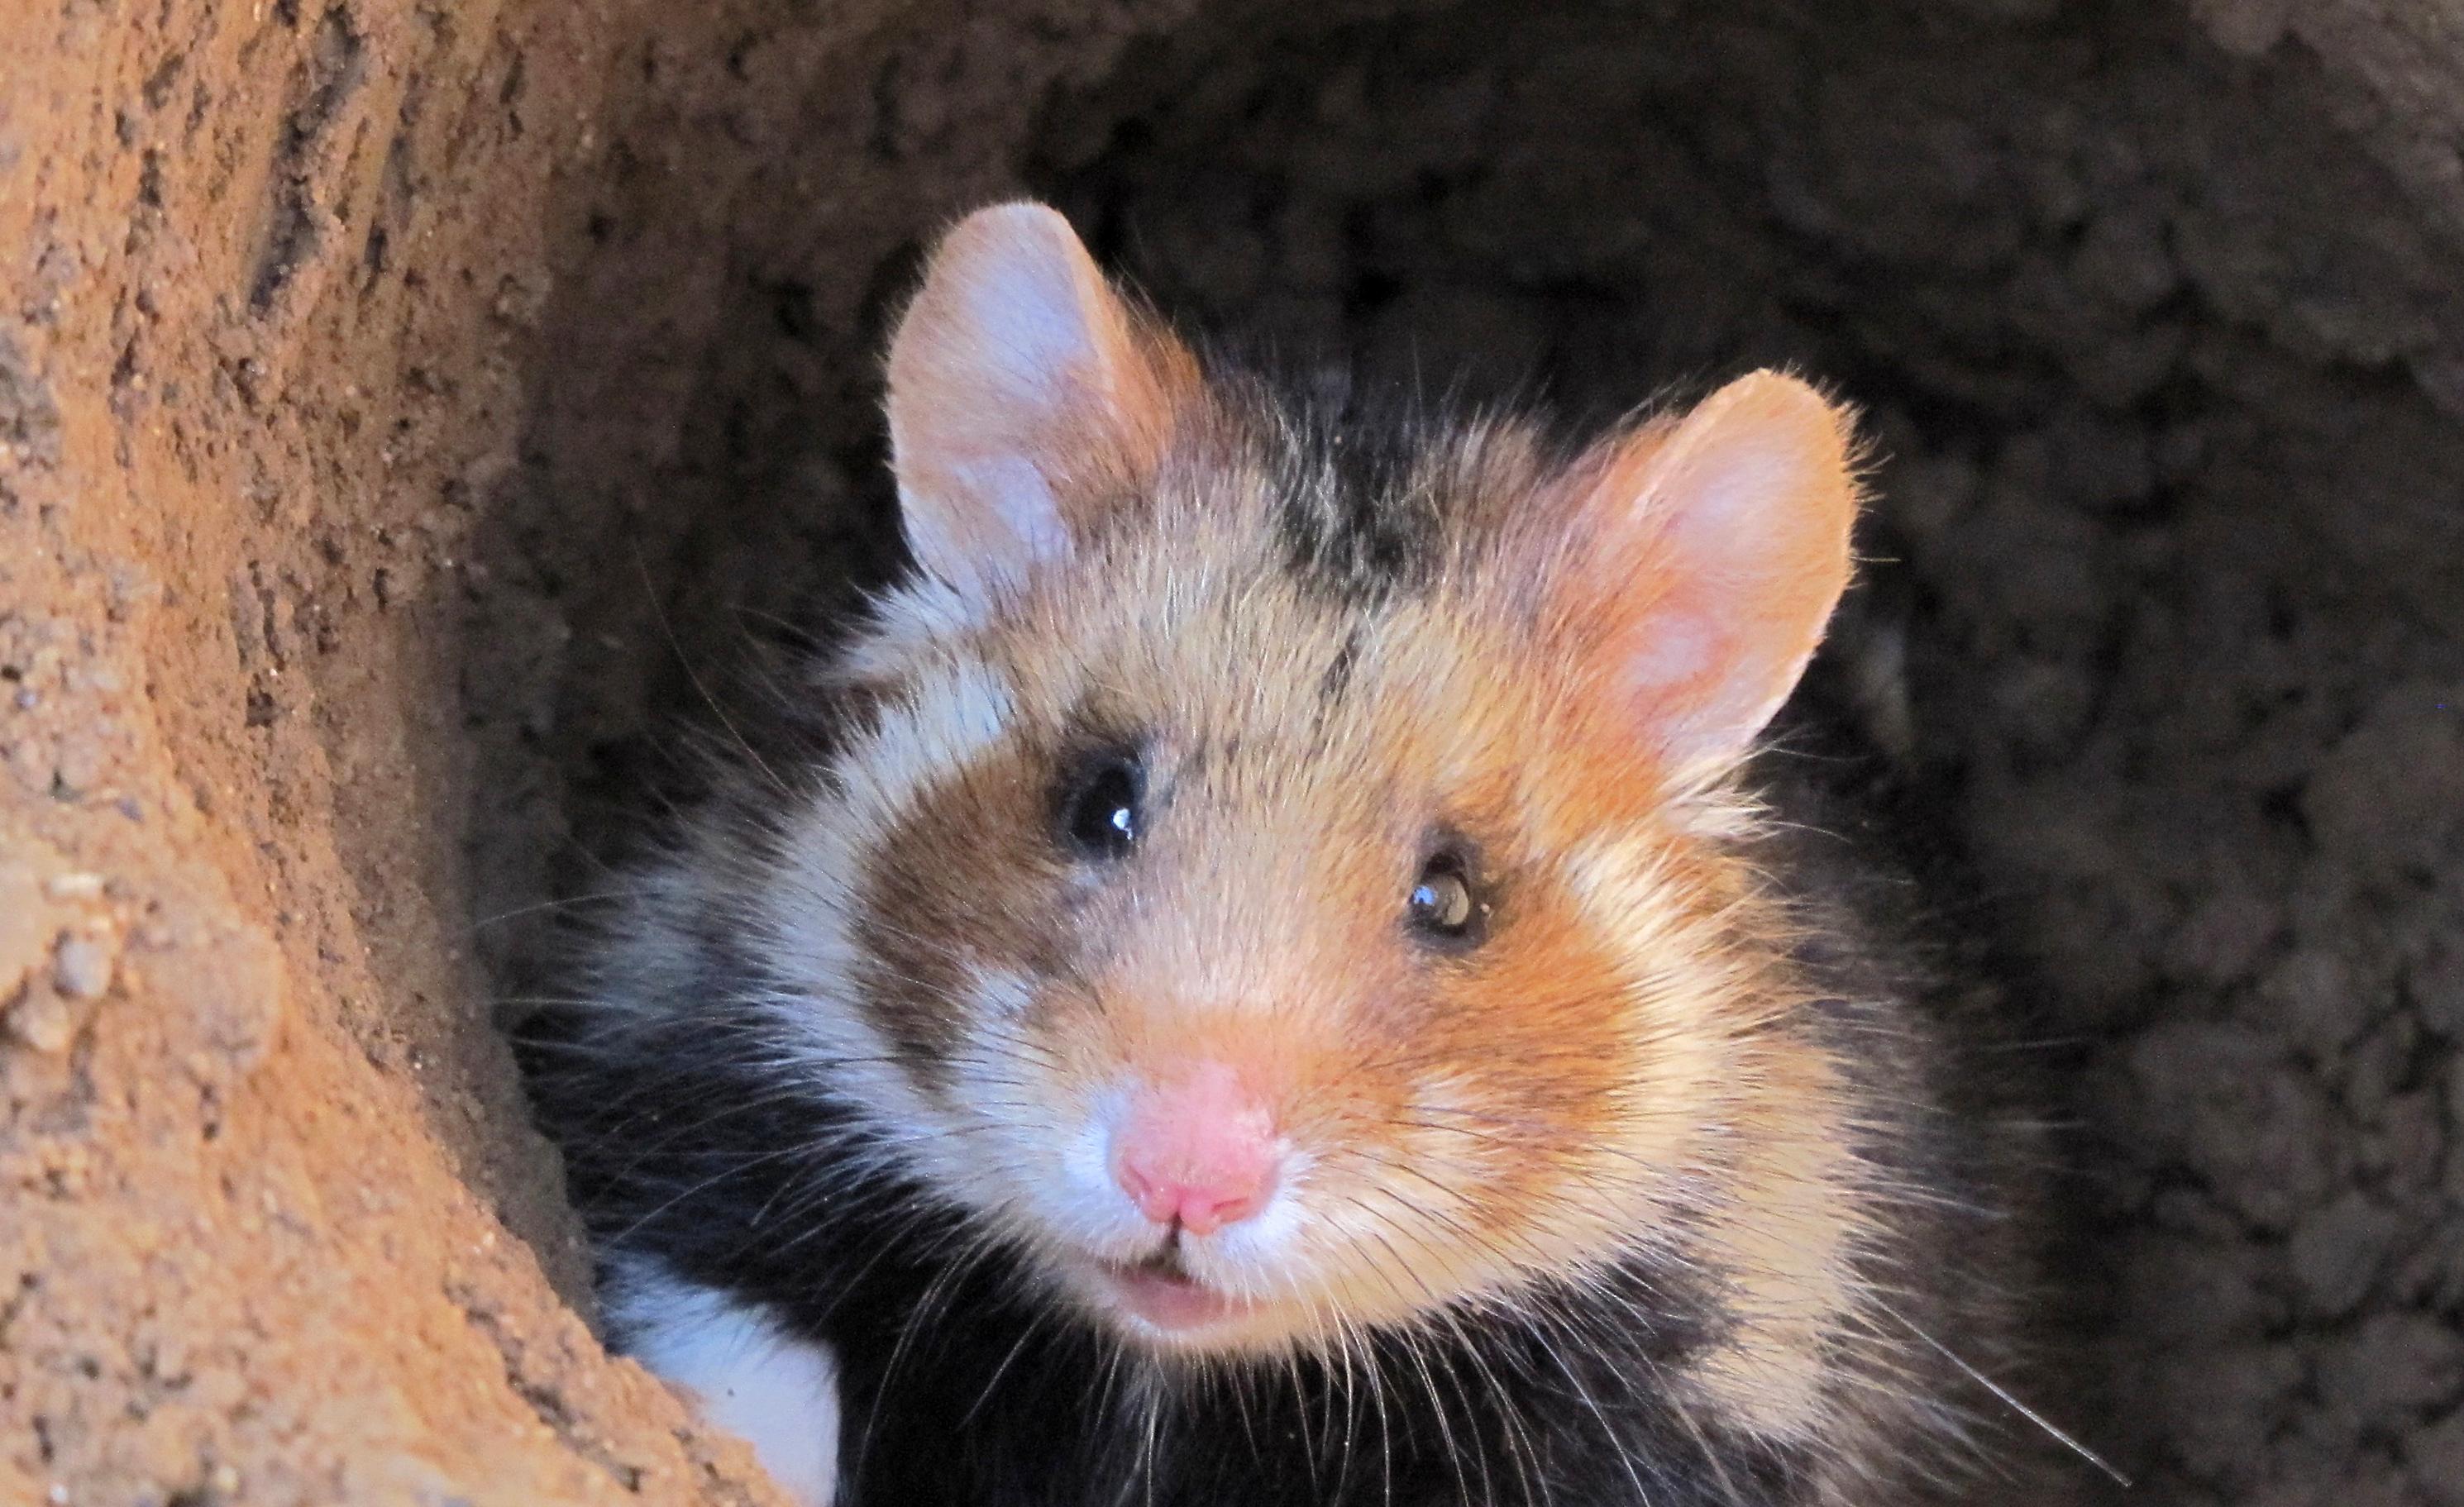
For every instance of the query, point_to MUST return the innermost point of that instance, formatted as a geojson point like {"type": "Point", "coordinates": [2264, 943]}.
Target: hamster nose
{"type": "Point", "coordinates": [1197, 1150]}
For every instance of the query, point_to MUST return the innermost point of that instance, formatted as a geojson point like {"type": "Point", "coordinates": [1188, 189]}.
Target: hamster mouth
{"type": "Point", "coordinates": [1159, 1293]}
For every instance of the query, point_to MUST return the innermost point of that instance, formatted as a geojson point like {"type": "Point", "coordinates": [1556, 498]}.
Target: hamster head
{"type": "Point", "coordinates": [1281, 880]}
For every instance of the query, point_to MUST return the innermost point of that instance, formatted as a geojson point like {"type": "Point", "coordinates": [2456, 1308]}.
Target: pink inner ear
{"type": "Point", "coordinates": [1016, 374]}
{"type": "Point", "coordinates": [1711, 557]}
{"type": "Point", "coordinates": [1681, 649]}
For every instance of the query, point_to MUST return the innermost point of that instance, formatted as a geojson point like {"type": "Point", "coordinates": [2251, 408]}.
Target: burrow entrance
{"type": "Point", "coordinates": [415, 410]}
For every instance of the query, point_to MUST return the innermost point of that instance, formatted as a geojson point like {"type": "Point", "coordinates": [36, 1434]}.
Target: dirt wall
{"type": "Point", "coordinates": [403, 407]}
{"type": "Point", "coordinates": [305, 305]}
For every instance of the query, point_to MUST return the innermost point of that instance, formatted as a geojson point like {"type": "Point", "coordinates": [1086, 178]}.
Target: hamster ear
{"type": "Point", "coordinates": [1023, 394]}
{"type": "Point", "coordinates": [1703, 561]}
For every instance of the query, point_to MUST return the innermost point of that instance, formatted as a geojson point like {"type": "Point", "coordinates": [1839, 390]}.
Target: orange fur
{"type": "Point", "coordinates": [1620, 1064]}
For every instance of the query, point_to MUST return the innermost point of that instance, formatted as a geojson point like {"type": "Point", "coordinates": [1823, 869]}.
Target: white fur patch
{"type": "Point", "coordinates": [908, 622]}
{"type": "Point", "coordinates": [951, 711]}
{"type": "Point", "coordinates": [776, 1392]}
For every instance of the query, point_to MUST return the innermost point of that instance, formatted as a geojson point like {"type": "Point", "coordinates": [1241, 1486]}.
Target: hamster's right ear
{"type": "Point", "coordinates": [1024, 395]}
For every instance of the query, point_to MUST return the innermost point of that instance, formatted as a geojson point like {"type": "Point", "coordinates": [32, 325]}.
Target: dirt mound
{"type": "Point", "coordinates": [403, 407]}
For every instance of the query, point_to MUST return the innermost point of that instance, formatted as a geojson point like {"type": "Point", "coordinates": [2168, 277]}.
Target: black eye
{"type": "Point", "coordinates": [1100, 813]}
{"type": "Point", "coordinates": [1441, 903]}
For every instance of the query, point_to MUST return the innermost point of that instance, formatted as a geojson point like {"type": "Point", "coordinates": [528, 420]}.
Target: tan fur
{"type": "Point", "coordinates": [1261, 926]}
{"type": "Point", "coordinates": [1617, 1066]}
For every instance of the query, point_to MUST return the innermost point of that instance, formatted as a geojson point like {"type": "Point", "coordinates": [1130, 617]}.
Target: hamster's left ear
{"type": "Point", "coordinates": [1689, 567]}
{"type": "Point", "coordinates": [1024, 395]}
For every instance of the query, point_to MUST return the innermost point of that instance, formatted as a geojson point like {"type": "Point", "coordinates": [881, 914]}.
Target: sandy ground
{"type": "Point", "coordinates": [403, 405]}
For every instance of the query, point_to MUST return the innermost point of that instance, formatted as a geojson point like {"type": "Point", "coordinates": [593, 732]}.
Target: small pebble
{"type": "Point", "coordinates": [43, 1022]}
{"type": "Point", "coordinates": [82, 968]}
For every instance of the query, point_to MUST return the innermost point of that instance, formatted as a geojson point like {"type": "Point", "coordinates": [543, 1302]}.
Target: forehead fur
{"type": "Point", "coordinates": [1350, 591]}
{"type": "Point", "coordinates": [1276, 551]}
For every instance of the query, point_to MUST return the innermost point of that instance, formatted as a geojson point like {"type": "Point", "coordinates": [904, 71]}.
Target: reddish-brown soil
{"type": "Point", "coordinates": [298, 298]}
{"type": "Point", "coordinates": [404, 406]}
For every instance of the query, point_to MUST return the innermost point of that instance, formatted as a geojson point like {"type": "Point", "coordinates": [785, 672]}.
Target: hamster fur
{"type": "Point", "coordinates": [1265, 975]}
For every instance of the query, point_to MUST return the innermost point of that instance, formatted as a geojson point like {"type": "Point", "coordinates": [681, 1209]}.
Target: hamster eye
{"type": "Point", "coordinates": [1442, 905]}
{"type": "Point", "coordinates": [1100, 809]}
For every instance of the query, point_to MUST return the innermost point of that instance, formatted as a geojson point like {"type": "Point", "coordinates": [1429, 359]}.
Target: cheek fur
{"type": "Point", "coordinates": [893, 905]}
{"type": "Point", "coordinates": [1525, 1135]}
{"type": "Point", "coordinates": [961, 885]}
{"type": "Point", "coordinates": [1568, 1094]}
{"type": "Point", "coordinates": [1028, 1142]}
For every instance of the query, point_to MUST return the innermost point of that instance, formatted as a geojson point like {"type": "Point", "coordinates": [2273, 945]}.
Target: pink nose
{"type": "Point", "coordinates": [1197, 1150]}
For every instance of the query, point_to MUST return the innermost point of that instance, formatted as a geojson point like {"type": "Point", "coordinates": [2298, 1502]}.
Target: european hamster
{"type": "Point", "coordinates": [1277, 980]}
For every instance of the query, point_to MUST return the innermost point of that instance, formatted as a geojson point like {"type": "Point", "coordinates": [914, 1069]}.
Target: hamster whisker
{"type": "Point", "coordinates": [1524, 1449]}
{"type": "Point", "coordinates": [2007, 1397]}
{"type": "Point", "coordinates": [1542, 1138]}
{"type": "Point", "coordinates": [1470, 1237]}
{"type": "Point", "coordinates": [701, 1187]}
{"type": "Point", "coordinates": [564, 902]}
{"type": "Point", "coordinates": [1414, 1350]}
{"type": "Point", "coordinates": [1027, 1332]}
{"type": "Point", "coordinates": [1354, 1382]}
{"type": "Point", "coordinates": [927, 1308]}
{"type": "Point", "coordinates": [684, 662]}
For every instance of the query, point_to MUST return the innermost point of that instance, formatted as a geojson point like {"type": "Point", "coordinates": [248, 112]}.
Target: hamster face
{"type": "Point", "coordinates": [1438, 1100]}
{"type": "Point", "coordinates": [1285, 893]}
